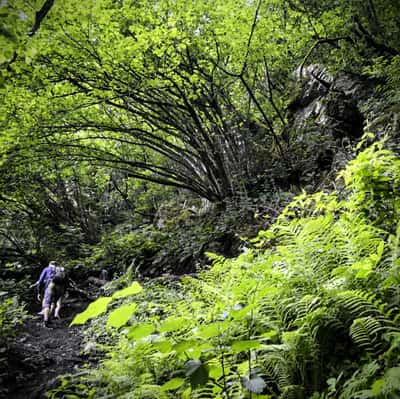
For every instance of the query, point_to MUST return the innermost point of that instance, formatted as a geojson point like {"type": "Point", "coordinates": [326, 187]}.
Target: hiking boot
{"type": "Point", "coordinates": [46, 324]}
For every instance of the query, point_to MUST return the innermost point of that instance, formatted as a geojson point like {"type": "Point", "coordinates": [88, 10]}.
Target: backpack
{"type": "Point", "coordinates": [60, 277]}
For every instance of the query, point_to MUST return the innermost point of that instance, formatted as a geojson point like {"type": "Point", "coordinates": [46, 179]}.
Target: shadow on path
{"type": "Point", "coordinates": [39, 354]}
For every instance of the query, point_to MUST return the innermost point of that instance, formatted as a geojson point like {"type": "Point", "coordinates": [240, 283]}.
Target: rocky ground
{"type": "Point", "coordinates": [39, 355]}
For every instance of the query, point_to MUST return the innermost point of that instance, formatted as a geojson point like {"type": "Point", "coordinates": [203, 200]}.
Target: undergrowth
{"type": "Point", "coordinates": [311, 311]}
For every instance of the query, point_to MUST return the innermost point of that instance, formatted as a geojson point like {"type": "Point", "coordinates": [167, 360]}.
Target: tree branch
{"type": "Point", "coordinates": [40, 16]}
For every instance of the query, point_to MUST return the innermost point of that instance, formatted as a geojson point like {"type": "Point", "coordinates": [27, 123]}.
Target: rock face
{"type": "Point", "coordinates": [324, 119]}
{"type": "Point", "coordinates": [330, 105]}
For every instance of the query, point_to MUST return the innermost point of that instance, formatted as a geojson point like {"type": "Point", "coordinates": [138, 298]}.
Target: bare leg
{"type": "Point", "coordinates": [46, 315]}
{"type": "Point", "coordinates": [42, 310]}
{"type": "Point", "coordinates": [58, 308]}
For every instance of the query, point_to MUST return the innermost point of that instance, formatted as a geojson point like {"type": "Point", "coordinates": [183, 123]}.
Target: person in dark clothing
{"type": "Point", "coordinates": [54, 294]}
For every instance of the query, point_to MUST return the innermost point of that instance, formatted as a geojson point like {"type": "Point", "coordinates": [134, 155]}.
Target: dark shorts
{"type": "Point", "coordinates": [52, 294]}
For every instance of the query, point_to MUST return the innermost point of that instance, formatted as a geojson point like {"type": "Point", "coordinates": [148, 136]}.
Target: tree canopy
{"type": "Point", "coordinates": [187, 94]}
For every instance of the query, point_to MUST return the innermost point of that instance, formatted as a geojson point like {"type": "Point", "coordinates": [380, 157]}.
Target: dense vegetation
{"type": "Point", "coordinates": [311, 311]}
{"type": "Point", "coordinates": [165, 137]}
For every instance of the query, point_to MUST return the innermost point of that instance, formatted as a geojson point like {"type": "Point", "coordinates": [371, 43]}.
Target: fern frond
{"type": "Point", "coordinates": [211, 390]}
{"type": "Point", "coordinates": [357, 303]}
{"type": "Point", "coordinates": [278, 366]}
{"type": "Point", "coordinates": [292, 392]}
{"type": "Point", "coordinates": [366, 332]}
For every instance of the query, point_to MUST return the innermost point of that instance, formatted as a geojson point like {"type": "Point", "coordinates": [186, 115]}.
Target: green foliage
{"type": "Point", "coordinates": [306, 316]}
{"type": "Point", "coordinates": [191, 95]}
{"type": "Point", "coordinates": [119, 316]}
{"type": "Point", "coordinates": [12, 314]}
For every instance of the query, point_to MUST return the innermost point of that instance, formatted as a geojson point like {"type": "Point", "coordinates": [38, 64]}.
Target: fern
{"type": "Point", "coordinates": [304, 316]}
{"type": "Point", "coordinates": [358, 303]}
{"type": "Point", "coordinates": [388, 386]}
{"type": "Point", "coordinates": [359, 381]}
{"type": "Point", "coordinates": [367, 332]}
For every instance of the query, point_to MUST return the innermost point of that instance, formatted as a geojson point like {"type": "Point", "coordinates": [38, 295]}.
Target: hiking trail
{"type": "Point", "coordinates": [38, 355]}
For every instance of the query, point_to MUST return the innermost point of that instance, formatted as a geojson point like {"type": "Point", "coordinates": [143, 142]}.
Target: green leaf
{"type": "Point", "coordinates": [173, 384]}
{"type": "Point", "coordinates": [172, 324]}
{"type": "Point", "coordinates": [192, 366]}
{"type": "Point", "coordinates": [186, 393]}
{"type": "Point", "coordinates": [95, 309]}
{"type": "Point", "coordinates": [163, 346]}
{"type": "Point", "coordinates": [242, 346]}
{"type": "Point", "coordinates": [377, 386]}
{"type": "Point", "coordinates": [184, 346]}
{"type": "Point", "coordinates": [215, 371]}
{"type": "Point", "coordinates": [134, 288]}
{"type": "Point", "coordinates": [141, 331]}
{"type": "Point", "coordinates": [212, 330]}
{"type": "Point", "coordinates": [242, 313]}
{"type": "Point", "coordinates": [269, 335]}
{"type": "Point", "coordinates": [121, 315]}
{"type": "Point", "coordinates": [198, 373]}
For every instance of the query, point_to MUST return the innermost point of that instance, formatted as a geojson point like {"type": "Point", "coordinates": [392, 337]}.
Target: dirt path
{"type": "Point", "coordinates": [40, 354]}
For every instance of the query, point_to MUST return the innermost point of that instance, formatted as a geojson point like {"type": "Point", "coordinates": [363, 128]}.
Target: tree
{"type": "Point", "coordinates": [169, 92]}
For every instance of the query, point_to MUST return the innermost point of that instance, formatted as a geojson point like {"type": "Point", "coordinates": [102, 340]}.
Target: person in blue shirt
{"type": "Point", "coordinates": [44, 279]}
{"type": "Point", "coordinates": [54, 294]}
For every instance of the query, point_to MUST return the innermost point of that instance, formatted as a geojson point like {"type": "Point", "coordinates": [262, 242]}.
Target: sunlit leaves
{"type": "Point", "coordinates": [270, 316]}
{"type": "Point", "coordinates": [117, 317]}
{"type": "Point", "coordinates": [120, 316]}
{"type": "Point", "coordinates": [134, 288]}
{"type": "Point", "coordinates": [173, 384]}
{"type": "Point", "coordinates": [16, 21]}
{"type": "Point", "coordinates": [141, 331]}
{"type": "Point", "coordinates": [172, 324]}
{"type": "Point", "coordinates": [245, 345]}
{"type": "Point", "coordinates": [95, 309]}
{"type": "Point", "coordinates": [212, 330]}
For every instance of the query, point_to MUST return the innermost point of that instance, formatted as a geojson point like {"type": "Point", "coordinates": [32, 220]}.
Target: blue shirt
{"type": "Point", "coordinates": [46, 275]}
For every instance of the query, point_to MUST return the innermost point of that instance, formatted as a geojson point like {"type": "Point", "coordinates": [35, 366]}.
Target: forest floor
{"type": "Point", "coordinates": [39, 355]}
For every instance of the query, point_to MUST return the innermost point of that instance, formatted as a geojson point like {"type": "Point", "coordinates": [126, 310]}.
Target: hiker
{"type": "Point", "coordinates": [54, 294]}
{"type": "Point", "coordinates": [43, 281]}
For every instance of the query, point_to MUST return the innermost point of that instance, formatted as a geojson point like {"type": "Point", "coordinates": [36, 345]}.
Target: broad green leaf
{"type": "Point", "coordinates": [173, 324]}
{"type": "Point", "coordinates": [173, 384]}
{"type": "Point", "coordinates": [361, 274]}
{"type": "Point", "coordinates": [197, 372]}
{"type": "Point", "coordinates": [184, 346]}
{"type": "Point", "coordinates": [162, 346]}
{"type": "Point", "coordinates": [120, 316]}
{"type": "Point", "coordinates": [134, 288]}
{"type": "Point", "coordinates": [242, 313]}
{"type": "Point", "coordinates": [212, 330]}
{"type": "Point", "coordinates": [215, 371]}
{"type": "Point", "coordinates": [242, 346]}
{"type": "Point", "coordinates": [141, 331]}
{"type": "Point", "coordinates": [95, 309]}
